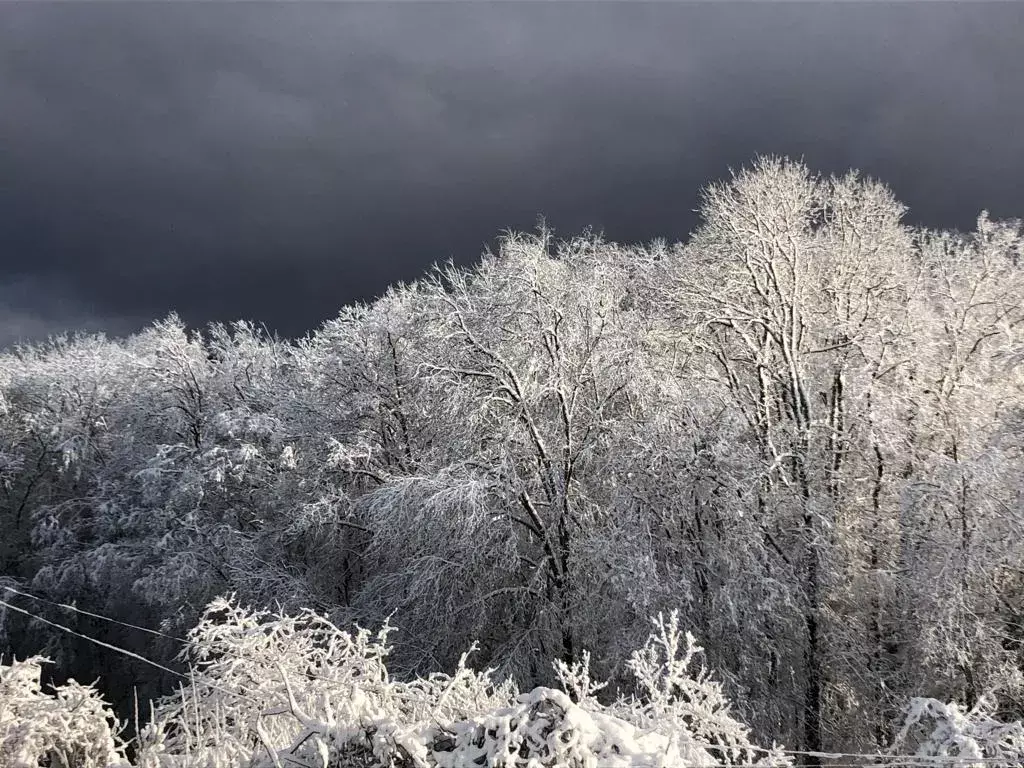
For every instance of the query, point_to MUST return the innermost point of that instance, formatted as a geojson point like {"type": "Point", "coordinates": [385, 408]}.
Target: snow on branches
{"type": "Point", "coordinates": [967, 738]}
{"type": "Point", "coordinates": [70, 728]}
{"type": "Point", "coordinates": [274, 690]}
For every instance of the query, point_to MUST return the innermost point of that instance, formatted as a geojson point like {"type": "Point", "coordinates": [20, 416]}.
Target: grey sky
{"type": "Point", "coordinates": [276, 161]}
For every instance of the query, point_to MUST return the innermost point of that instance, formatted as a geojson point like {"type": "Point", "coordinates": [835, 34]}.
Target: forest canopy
{"type": "Point", "coordinates": [800, 433]}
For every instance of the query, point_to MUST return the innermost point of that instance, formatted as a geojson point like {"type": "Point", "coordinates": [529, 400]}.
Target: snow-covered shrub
{"type": "Point", "coordinates": [576, 680]}
{"type": "Point", "coordinates": [546, 728]}
{"type": "Point", "coordinates": [273, 690]}
{"type": "Point", "coordinates": [70, 728]}
{"type": "Point", "coordinates": [934, 729]}
{"type": "Point", "coordinates": [265, 682]}
{"type": "Point", "coordinates": [677, 695]}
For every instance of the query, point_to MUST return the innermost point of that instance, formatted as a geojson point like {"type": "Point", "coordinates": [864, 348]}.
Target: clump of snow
{"type": "Point", "coordinates": [546, 728]}
{"type": "Point", "coordinates": [70, 728]}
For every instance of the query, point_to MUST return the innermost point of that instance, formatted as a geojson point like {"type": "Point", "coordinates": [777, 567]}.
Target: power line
{"type": "Point", "coordinates": [157, 633]}
{"type": "Point", "coordinates": [125, 651]}
{"type": "Point", "coordinates": [76, 609]}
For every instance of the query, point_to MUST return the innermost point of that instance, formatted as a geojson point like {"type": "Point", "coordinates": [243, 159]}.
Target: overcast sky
{"type": "Point", "coordinates": [277, 161]}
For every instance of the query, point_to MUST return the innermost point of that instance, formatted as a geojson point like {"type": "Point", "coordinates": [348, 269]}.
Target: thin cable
{"type": "Point", "coordinates": [157, 633]}
{"type": "Point", "coordinates": [126, 652]}
{"type": "Point", "coordinates": [868, 760]}
{"type": "Point", "coordinates": [76, 609]}
{"type": "Point", "coordinates": [876, 758]}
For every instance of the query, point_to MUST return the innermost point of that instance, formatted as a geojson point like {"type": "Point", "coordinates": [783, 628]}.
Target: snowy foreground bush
{"type": "Point", "coordinates": [275, 690]}
{"type": "Point", "coordinates": [939, 730]}
{"type": "Point", "coordinates": [280, 690]}
{"type": "Point", "coordinates": [70, 728]}
{"type": "Point", "coordinates": [270, 690]}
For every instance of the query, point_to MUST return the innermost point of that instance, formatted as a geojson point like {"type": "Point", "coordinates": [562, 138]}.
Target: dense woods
{"type": "Point", "coordinates": [801, 431]}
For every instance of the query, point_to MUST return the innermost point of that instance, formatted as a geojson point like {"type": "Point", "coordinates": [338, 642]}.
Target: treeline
{"type": "Point", "coordinates": [802, 429]}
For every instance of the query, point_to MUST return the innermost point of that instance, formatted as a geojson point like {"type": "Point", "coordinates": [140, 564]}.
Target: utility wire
{"type": "Point", "coordinates": [126, 652]}
{"type": "Point", "coordinates": [157, 633]}
{"type": "Point", "coordinates": [76, 609]}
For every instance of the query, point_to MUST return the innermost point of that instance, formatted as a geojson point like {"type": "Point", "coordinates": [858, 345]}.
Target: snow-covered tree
{"type": "Point", "coordinates": [801, 429]}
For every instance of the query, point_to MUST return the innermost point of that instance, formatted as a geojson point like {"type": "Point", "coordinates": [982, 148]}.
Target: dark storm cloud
{"type": "Point", "coordinates": [32, 309]}
{"type": "Point", "coordinates": [277, 161]}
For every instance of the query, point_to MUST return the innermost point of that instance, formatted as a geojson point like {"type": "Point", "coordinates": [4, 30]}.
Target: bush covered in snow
{"type": "Point", "coordinates": [269, 690]}
{"type": "Point", "coordinates": [935, 729]}
{"type": "Point", "coordinates": [274, 690]}
{"type": "Point", "coordinates": [70, 728]}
